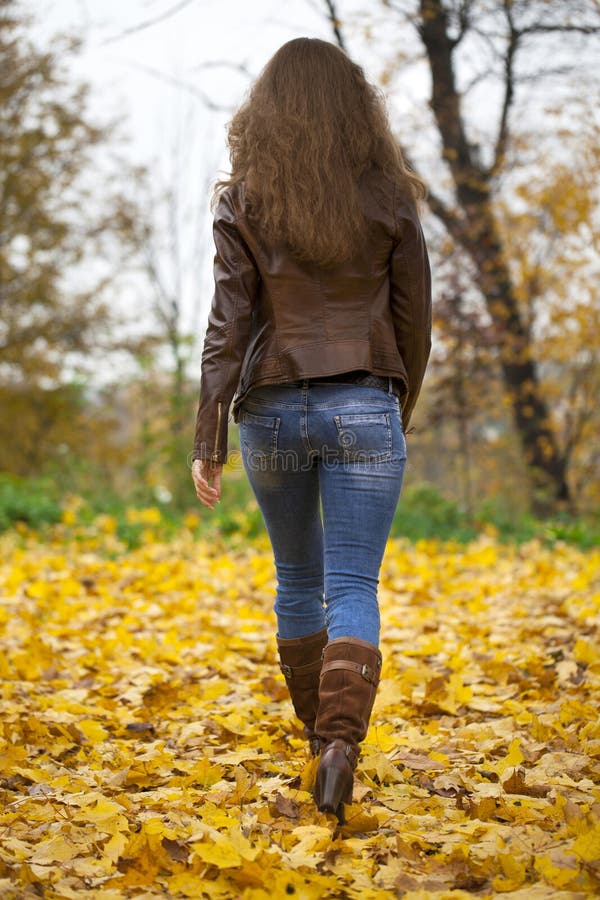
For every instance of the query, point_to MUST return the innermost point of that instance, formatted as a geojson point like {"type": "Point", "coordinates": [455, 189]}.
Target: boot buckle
{"type": "Point", "coordinates": [309, 668]}
{"type": "Point", "coordinates": [368, 674]}
{"type": "Point", "coordinates": [351, 755]}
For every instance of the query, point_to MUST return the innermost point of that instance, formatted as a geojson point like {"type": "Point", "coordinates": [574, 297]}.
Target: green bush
{"type": "Point", "coordinates": [424, 513]}
{"type": "Point", "coordinates": [511, 524]}
{"type": "Point", "coordinates": [585, 533]}
{"type": "Point", "coordinates": [30, 500]}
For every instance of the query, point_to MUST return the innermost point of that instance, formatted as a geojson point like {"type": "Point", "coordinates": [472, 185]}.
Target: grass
{"type": "Point", "coordinates": [422, 513]}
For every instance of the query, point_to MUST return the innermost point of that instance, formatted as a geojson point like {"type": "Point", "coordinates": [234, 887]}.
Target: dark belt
{"type": "Point", "coordinates": [356, 377]}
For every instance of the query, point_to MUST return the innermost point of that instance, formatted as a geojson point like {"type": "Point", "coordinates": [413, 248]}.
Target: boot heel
{"type": "Point", "coordinates": [334, 783]}
{"type": "Point", "coordinates": [349, 677]}
{"type": "Point", "coordinates": [333, 793]}
{"type": "Point", "coordinates": [332, 787]}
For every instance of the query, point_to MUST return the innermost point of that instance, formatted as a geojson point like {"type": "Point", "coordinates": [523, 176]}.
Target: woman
{"type": "Point", "coordinates": [321, 326]}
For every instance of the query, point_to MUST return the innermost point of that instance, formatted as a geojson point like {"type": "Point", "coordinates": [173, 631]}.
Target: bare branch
{"type": "Point", "coordinates": [509, 91]}
{"type": "Point", "coordinates": [411, 18]}
{"type": "Point", "coordinates": [163, 299]}
{"type": "Point", "coordinates": [141, 26]}
{"type": "Point", "coordinates": [490, 38]}
{"type": "Point", "coordinates": [224, 64]}
{"type": "Point", "coordinates": [578, 419]}
{"type": "Point", "coordinates": [535, 77]}
{"type": "Point", "coordinates": [548, 29]}
{"type": "Point", "coordinates": [335, 23]}
{"type": "Point", "coordinates": [477, 79]}
{"type": "Point", "coordinates": [463, 21]}
{"type": "Point", "coordinates": [453, 223]}
{"type": "Point", "coordinates": [176, 82]}
{"type": "Point", "coordinates": [445, 100]}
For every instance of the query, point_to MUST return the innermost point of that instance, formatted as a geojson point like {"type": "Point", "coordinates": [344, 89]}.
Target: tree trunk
{"type": "Point", "coordinates": [545, 462]}
{"type": "Point", "coordinates": [476, 231]}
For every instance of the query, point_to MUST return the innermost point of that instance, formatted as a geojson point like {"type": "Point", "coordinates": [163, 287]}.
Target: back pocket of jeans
{"type": "Point", "coordinates": [364, 437]}
{"type": "Point", "coordinates": [259, 434]}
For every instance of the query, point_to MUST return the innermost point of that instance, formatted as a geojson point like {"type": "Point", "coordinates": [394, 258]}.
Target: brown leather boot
{"type": "Point", "coordinates": [300, 661]}
{"type": "Point", "coordinates": [349, 679]}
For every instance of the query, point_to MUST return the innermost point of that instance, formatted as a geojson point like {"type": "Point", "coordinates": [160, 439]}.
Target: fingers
{"type": "Point", "coordinates": [207, 495]}
{"type": "Point", "coordinates": [217, 481]}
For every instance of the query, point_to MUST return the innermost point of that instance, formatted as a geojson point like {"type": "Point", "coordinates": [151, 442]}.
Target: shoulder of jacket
{"type": "Point", "coordinates": [230, 205]}
{"type": "Point", "coordinates": [405, 208]}
{"type": "Point", "coordinates": [389, 195]}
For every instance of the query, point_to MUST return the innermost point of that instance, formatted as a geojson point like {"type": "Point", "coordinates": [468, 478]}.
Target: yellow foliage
{"type": "Point", "coordinates": [586, 652]}
{"type": "Point", "coordinates": [514, 757]}
{"type": "Point", "coordinates": [148, 746]}
{"type": "Point", "coordinates": [587, 845]}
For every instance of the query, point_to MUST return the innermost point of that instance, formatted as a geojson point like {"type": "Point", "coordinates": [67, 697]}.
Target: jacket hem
{"type": "Point", "coordinates": [303, 362]}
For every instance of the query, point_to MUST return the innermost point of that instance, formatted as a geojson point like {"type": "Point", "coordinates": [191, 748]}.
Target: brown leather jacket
{"type": "Point", "coordinates": [274, 319]}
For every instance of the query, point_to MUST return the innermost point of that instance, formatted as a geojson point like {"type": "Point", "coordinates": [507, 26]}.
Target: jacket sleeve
{"type": "Point", "coordinates": [229, 324]}
{"type": "Point", "coordinates": [410, 300]}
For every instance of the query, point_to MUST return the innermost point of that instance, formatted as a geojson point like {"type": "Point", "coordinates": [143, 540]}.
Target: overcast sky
{"type": "Point", "coordinates": [130, 67]}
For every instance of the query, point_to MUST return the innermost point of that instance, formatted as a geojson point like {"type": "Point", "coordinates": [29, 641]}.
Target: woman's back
{"type": "Point", "coordinates": [309, 319]}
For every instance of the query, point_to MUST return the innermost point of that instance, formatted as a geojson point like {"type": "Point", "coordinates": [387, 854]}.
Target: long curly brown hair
{"type": "Point", "coordinates": [310, 127]}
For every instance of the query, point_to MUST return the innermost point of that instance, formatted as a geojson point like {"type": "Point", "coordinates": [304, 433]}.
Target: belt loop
{"type": "Point", "coordinates": [390, 386]}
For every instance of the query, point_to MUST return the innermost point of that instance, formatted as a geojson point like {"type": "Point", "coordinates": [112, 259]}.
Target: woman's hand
{"type": "Point", "coordinates": [203, 471]}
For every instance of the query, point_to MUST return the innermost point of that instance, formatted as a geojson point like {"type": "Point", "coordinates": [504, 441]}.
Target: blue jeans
{"type": "Point", "coordinates": [333, 450]}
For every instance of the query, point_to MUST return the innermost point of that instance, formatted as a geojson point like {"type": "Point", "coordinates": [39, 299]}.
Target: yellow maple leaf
{"type": "Point", "coordinates": [587, 845]}
{"type": "Point", "coordinates": [514, 757]}
{"type": "Point", "coordinates": [586, 652]}
{"type": "Point", "coordinates": [93, 731]}
{"type": "Point", "coordinates": [54, 850]}
{"type": "Point", "coordinates": [385, 737]}
{"type": "Point", "coordinates": [309, 774]}
{"type": "Point", "coordinates": [513, 875]}
{"type": "Point", "coordinates": [556, 872]}
{"type": "Point", "coordinates": [220, 853]}
{"type": "Point", "coordinates": [114, 847]}
{"type": "Point", "coordinates": [205, 772]}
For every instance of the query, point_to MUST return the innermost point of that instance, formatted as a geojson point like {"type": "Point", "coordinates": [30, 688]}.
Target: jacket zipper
{"type": "Point", "coordinates": [216, 454]}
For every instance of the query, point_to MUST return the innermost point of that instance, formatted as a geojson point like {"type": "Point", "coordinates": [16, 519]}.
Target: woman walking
{"type": "Point", "coordinates": [321, 327]}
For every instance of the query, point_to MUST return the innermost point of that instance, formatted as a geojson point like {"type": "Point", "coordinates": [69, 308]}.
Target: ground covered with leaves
{"type": "Point", "coordinates": [148, 746]}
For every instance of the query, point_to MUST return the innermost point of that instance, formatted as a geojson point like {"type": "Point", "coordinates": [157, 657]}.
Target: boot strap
{"type": "Point", "coordinates": [351, 753]}
{"type": "Point", "coordinates": [296, 671]}
{"type": "Point", "coordinates": [365, 671]}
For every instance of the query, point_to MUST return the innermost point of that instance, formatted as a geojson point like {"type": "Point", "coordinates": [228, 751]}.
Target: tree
{"type": "Point", "coordinates": [552, 235]}
{"type": "Point", "coordinates": [65, 228]}
{"type": "Point", "coordinates": [494, 35]}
